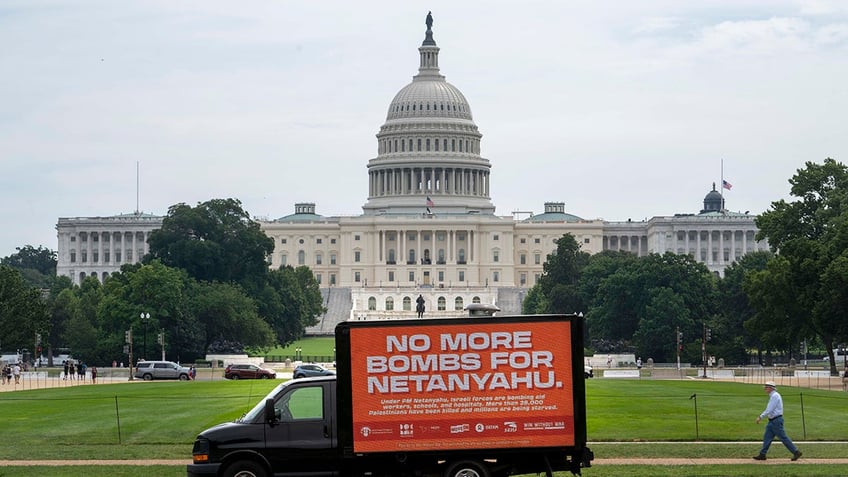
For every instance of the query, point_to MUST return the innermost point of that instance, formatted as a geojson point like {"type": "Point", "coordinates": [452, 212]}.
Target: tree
{"type": "Point", "coordinates": [733, 339]}
{"type": "Point", "coordinates": [810, 239]}
{"type": "Point", "coordinates": [37, 265]}
{"type": "Point", "coordinates": [215, 241]}
{"type": "Point", "coordinates": [23, 313]}
{"type": "Point", "coordinates": [559, 282]}
{"type": "Point", "coordinates": [227, 313]}
{"type": "Point", "coordinates": [290, 302]}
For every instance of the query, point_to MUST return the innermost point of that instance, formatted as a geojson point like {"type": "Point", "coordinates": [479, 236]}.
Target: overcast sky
{"type": "Point", "coordinates": [620, 109]}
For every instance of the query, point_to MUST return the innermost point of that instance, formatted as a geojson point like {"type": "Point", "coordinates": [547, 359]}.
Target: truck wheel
{"type": "Point", "coordinates": [467, 468]}
{"type": "Point", "coordinates": [148, 377]}
{"type": "Point", "coordinates": [184, 377]}
{"type": "Point", "coordinates": [245, 468]}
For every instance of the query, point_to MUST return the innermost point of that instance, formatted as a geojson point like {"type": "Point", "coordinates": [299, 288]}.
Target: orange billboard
{"type": "Point", "coordinates": [469, 386]}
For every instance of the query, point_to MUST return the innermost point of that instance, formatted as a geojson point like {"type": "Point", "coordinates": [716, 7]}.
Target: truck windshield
{"type": "Point", "coordinates": [256, 414]}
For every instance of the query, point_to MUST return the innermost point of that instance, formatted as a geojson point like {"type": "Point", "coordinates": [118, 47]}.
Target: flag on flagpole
{"type": "Point", "coordinates": [726, 185]}
{"type": "Point", "coordinates": [429, 202]}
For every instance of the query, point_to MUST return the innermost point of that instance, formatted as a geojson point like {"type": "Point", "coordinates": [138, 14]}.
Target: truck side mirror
{"type": "Point", "coordinates": [271, 416]}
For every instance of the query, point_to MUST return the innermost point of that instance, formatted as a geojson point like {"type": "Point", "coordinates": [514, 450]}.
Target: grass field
{"type": "Point", "coordinates": [159, 420]}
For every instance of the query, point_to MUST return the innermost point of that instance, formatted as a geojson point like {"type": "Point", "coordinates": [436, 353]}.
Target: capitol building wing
{"type": "Point", "coordinates": [429, 226]}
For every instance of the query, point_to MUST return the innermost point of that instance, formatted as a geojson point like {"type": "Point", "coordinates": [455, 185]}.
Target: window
{"type": "Point", "coordinates": [524, 240]}
{"type": "Point", "coordinates": [332, 259]}
{"type": "Point", "coordinates": [586, 240]}
{"type": "Point", "coordinates": [441, 259]}
{"type": "Point", "coordinates": [461, 256]}
{"type": "Point", "coordinates": [332, 279]}
{"type": "Point", "coordinates": [407, 303]}
{"type": "Point", "coordinates": [74, 256]}
{"type": "Point", "coordinates": [412, 276]}
{"type": "Point", "coordinates": [356, 237]}
{"type": "Point", "coordinates": [96, 256]}
{"type": "Point", "coordinates": [317, 259]}
{"type": "Point", "coordinates": [457, 304]}
{"type": "Point", "coordinates": [495, 237]}
{"type": "Point", "coordinates": [475, 299]}
{"type": "Point", "coordinates": [372, 303]}
{"type": "Point", "coordinates": [391, 276]}
{"type": "Point", "coordinates": [537, 240]}
{"type": "Point", "coordinates": [106, 256]}
{"type": "Point", "coordinates": [300, 241]}
{"type": "Point", "coordinates": [411, 258]}
{"type": "Point", "coordinates": [73, 238]}
{"type": "Point", "coordinates": [117, 256]}
{"type": "Point", "coordinates": [495, 256]}
{"type": "Point", "coordinates": [332, 240]}
{"type": "Point", "coordinates": [391, 260]}
{"type": "Point", "coordinates": [537, 258]}
{"type": "Point", "coordinates": [128, 255]}
{"type": "Point", "coordinates": [522, 259]}
{"type": "Point", "coordinates": [390, 304]}
{"type": "Point", "coordinates": [283, 260]}
{"type": "Point", "coordinates": [318, 241]}
{"type": "Point", "coordinates": [356, 256]}
{"type": "Point", "coordinates": [496, 276]}
{"type": "Point", "coordinates": [84, 254]}
{"type": "Point", "coordinates": [522, 279]}
{"type": "Point", "coordinates": [461, 276]}
{"type": "Point", "coordinates": [301, 405]}
{"type": "Point", "coordinates": [441, 275]}
{"type": "Point", "coordinates": [301, 257]}
{"type": "Point", "coordinates": [318, 278]}
{"type": "Point", "coordinates": [441, 303]}
{"type": "Point", "coordinates": [357, 276]}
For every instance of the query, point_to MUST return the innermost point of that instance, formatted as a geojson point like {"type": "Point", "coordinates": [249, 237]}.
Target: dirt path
{"type": "Point", "coordinates": [596, 462]}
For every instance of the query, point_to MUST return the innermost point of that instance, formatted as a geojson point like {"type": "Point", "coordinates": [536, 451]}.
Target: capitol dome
{"type": "Point", "coordinates": [428, 150]}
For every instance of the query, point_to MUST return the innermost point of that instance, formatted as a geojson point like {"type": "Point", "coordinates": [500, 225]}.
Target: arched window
{"type": "Point", "coordinates": [411, 255]}
{"type": "Point", "coordinates": [441, 303]}
{"type": "Point", "coordinates": [457, 304]}
{"type": "Point", "coordinates": [390, 304]}
{"type": "Point", "coordinates": [372, 303]}
{"type": "Point", "coordinates": [441, 258]}
{"type": "Point", "coordinates": [407, 303]}
{"type": "Point", "coordinates": [391, 256]}
{"type": "Point", "coordinates": [476, 299]}
{"type": "Point", "coordinates": [461, 256]}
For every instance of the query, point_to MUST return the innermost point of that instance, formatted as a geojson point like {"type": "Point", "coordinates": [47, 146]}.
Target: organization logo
{"type": "Point", "coordinates": [510, 426]}
{"type": "Point", "coordinates": [459, 428]}
{"type": "Point", "coordinates": [407, 430]}
{"type": "Point", "coordinates": [365, 431]}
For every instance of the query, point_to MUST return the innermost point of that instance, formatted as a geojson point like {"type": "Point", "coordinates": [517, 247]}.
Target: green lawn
{"type": "Point", "coordinates": [310, 349]}
{"type": "Point", "coordinates": [161, 419]}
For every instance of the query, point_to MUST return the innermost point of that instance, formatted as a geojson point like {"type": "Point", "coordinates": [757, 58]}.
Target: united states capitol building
{"type": "Point", "coordinates": [428, 226]}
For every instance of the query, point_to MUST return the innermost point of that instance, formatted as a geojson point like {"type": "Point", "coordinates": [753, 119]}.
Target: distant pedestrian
{"type": "Point", "coordinates": [65, 370]}
{"type": "Point", "coordinates": [774, 428]}
{"type": "Point", "coordinates": [609, 361]}
{"type": "Point", "coordinates": [94, 374]}
{"type": "Point", "coordinates": [80, 371]}
{"type": "Point", "coordinates": [639, 363]}
{"type": "Point", "coordinates": [16, 370]}
{"type": "Point", "coordinates": [192, 373]}
{"type": "Point", "coordinates": [71, 370]}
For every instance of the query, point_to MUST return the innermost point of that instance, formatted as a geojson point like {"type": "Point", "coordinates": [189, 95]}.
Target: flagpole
{"type": "Point", "coordinates": [721, 189]}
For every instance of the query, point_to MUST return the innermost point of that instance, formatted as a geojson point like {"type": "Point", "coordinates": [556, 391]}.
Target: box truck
{"type": "Point", "coordinates": [457, 397]}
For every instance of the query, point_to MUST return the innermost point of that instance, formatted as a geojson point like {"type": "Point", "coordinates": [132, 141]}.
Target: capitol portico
{"type": "Point", "coordinates": [429, 226]}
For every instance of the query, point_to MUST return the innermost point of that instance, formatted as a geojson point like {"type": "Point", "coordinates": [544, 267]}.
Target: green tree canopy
{"type": "Point", "coordinates": [37, 265]}
{"type": "Point", "coordinates": [22, 311]}
{"type": "Point", "coordinates": [215, 241]}
{"type": "Point", "coordinates": [795, 296]}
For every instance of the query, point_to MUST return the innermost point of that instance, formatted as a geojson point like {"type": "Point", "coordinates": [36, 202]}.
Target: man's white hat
{"type": "Point", "coordinates": [770, 384]}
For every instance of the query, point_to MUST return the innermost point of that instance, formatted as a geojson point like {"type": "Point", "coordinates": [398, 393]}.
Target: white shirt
{"type": "Point", "coordinates": [774, 407]}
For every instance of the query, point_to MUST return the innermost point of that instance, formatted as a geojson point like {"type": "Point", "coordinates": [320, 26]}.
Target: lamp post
{"type": "Point", "coordinates": [297, 353]}
{"type": "Point", "coordinates": [145, 317]}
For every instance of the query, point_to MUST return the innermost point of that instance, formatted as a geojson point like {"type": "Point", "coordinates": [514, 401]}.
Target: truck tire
{"type": "Point", "coordinates": [245, 468]}
{"type": "Point", "coordinates": [467, 468]}
{"type": "Point", "coordinates": [148, 377]}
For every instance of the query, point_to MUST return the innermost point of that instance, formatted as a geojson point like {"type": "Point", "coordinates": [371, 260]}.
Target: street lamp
{"type": "Point", "coordinates": [145, 317]}
{"type": "Point", "coordinates": [297, 353]}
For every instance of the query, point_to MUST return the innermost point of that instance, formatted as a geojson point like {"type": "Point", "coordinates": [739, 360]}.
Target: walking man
{"type": "Point", "coordinates": [774, 428]}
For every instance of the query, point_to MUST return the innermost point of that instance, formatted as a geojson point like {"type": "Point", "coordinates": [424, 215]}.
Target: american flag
{"type": "Point", "coordinates": [429, 202]}
{"type": "Point", "coordinates": [726, 185]}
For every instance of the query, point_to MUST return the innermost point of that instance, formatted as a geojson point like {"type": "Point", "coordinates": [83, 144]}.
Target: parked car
{"type": "Point", "coordinates": [149, 370]}
{"type": "Point", "coordinates": [309, 370]}
{"type": "Point", "coordinates": [248, 371]}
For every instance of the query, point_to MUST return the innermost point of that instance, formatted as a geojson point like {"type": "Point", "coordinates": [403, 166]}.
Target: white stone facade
{"type": "Point", "coordinates": [99, 246]}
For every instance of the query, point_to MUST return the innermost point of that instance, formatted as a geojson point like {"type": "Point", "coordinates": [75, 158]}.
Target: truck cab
{"type": "Point", "coordinates": [292, 431]}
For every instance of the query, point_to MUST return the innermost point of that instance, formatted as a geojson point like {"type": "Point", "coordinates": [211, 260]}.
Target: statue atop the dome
{"type": "Point", "coordinates": [429, 21]}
